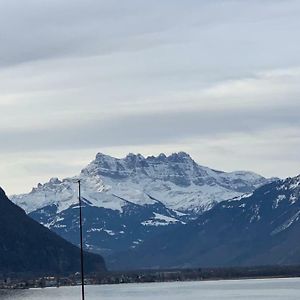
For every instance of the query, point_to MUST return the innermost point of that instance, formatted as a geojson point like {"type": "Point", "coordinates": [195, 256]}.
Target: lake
{"type": "Point", "coordinates": [259, 289]}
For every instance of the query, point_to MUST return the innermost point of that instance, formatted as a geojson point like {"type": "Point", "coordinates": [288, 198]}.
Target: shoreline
{"type": "Point", "coordinates": [153, 276]}
{"type": "Point", "coordinates": [156, 282]}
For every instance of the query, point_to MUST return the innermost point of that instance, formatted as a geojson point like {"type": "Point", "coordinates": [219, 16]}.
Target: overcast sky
{"type": "Point", "coordinates": [219, 79]}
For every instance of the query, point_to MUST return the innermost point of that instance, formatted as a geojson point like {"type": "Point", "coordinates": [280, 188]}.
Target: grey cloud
{"type": "Point", "coordinates": [78, 75]}
{"type": "Point", "coordinates": [153, 128]}
{"type": "Point", "coordinates": [35, 30]}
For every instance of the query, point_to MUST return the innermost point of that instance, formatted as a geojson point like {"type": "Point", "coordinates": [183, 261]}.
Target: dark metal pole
{"type": "Point", "coordinates": [81, 240]}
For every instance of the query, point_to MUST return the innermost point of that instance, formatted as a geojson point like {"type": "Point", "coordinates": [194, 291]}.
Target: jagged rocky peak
{"type": "Point", "coordinates": [137, 160]}
{"type": "Point", "coordinates": [54, 180]}
{"type": "Point", "coordinates": [130, 156]}
{"type": "Point", "coordinates": [178, 168]}
{"type": "Point", "coordinates": [51, 184]}
{"type": "Point", "coordinates": [160, 157]}
{"type": "Point", "coordinates": [102, 162]}
{"type": "Point", "coordinates": [115, 167]}
{"type": "Point", "coordinates": [176, 157]}
{"type": "Point", "coordinates": [101, 158]}
{"type": "Point", "coordinates": [133, 161]}
{"type": "Point", "coordinates": [294, 182]}
{"type": "Point", "coordinates": [290, 186]}
{"type": "Point", "coordinates": [180, 157]}
{"type": "Point", "coordinates": [134, 157]}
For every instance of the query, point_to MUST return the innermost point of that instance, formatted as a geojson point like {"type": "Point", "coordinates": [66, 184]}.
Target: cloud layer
{"type": "Point", "coordinates": [217, 79]}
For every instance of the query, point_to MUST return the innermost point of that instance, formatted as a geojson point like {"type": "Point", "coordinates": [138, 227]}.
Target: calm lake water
{"type": "Point", "coordinates": [260, 289]}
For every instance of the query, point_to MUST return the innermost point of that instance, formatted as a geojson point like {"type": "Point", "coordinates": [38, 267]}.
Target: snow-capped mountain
{"type": "Point", "coordinates": [261, 228]}
{"type": "Point", "coordinates": [128, 200]}
{"type": "Point", "coordinates": [176, 180]}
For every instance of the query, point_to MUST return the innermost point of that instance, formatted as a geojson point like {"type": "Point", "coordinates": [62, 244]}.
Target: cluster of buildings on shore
{"type": "Point", "coordinates": [105, 278]}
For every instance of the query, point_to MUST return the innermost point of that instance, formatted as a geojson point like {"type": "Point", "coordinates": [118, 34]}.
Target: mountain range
{"type": "Point", "coordinates": [131, 200]}
{"type": "Point", "coordinates": [261, 228]}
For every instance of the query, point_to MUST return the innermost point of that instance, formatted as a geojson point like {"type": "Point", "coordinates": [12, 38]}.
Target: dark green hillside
{"type": "Point", "coordinates": [28, 247]}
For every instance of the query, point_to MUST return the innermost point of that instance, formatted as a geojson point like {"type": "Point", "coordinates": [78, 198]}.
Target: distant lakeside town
{"type": "Point", "coordinates": [13, 281]}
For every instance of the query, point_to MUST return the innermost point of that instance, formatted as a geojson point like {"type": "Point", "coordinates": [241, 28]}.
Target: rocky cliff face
{"type": "Point", "coordinates": [176, 180]}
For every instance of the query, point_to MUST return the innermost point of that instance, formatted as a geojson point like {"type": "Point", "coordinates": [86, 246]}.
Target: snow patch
{"type": "Point", "coordinates": [278, 200]}
{"type": "Point", "coordinates": [161, 220]}
{"type": "Point", "coordinates": [287, 224]}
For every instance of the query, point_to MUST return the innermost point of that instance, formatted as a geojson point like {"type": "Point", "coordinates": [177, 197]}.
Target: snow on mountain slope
{"type": "Point", "coordinates": [63, 194]}
{"type": "Point", "coordinates": [160, 220]}
{"type": "Point", "coordinates": [127, 201]}
{"type": "Point", "coordinates": [261, 228]}
{"type": "Point", "coordinates": [176, 180]}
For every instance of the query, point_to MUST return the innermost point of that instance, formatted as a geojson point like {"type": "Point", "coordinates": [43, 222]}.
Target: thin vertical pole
{"type": "Point", "coordinates": [81, 240]}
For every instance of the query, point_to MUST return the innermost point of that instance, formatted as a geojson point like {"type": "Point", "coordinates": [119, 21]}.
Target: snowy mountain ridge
{"type": "Point", "coordinates": [176, 180]}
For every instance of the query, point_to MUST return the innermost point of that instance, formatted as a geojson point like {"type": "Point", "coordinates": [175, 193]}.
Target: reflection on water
{"type": "Point", "coordinates": [283, 289]}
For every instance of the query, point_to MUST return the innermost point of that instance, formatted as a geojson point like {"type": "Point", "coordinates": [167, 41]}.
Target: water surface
{"type": "Point", "coordinates": [259, 289]}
